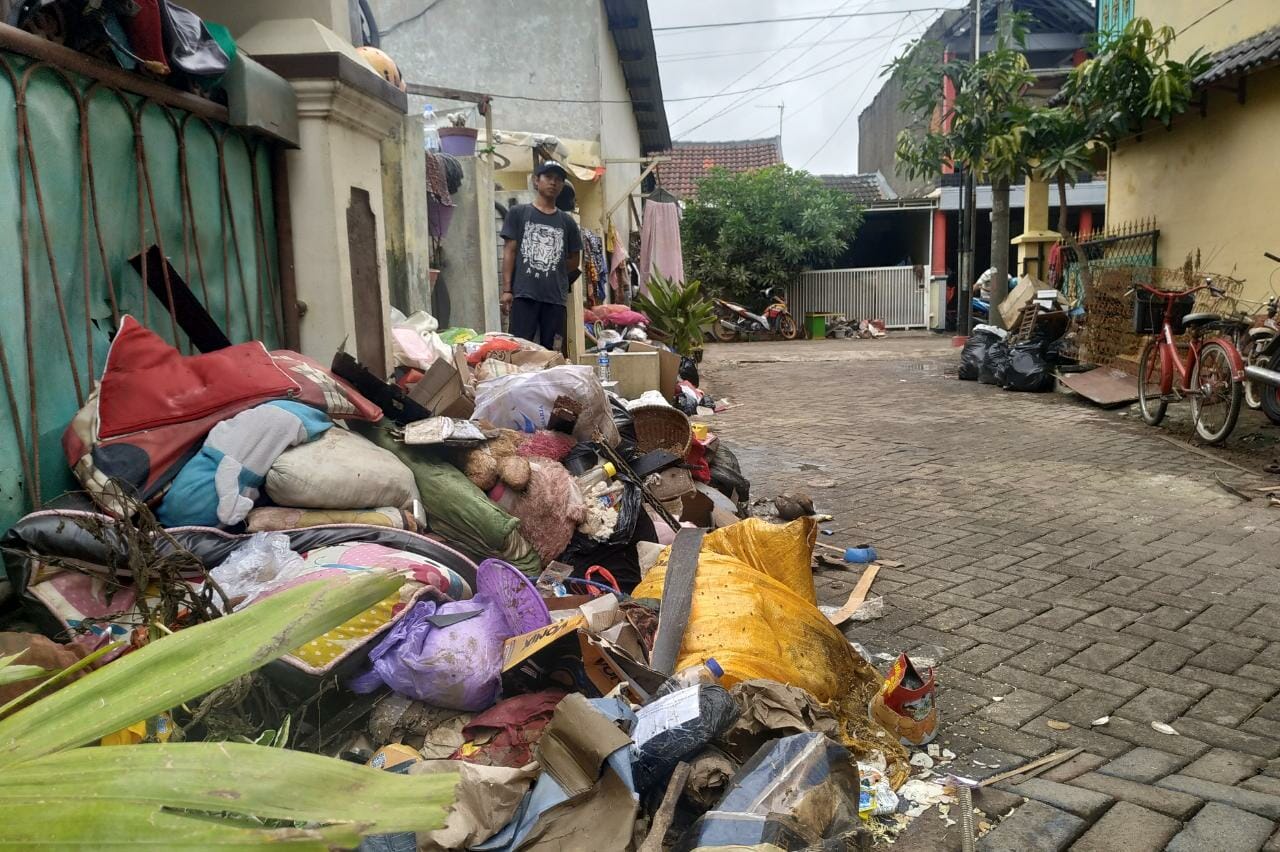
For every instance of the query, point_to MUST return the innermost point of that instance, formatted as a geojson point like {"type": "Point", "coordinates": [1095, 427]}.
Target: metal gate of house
{"type": "Point", "coordinates": [92, 174]}
{"type": "Point", "coordinates": [899, 295]}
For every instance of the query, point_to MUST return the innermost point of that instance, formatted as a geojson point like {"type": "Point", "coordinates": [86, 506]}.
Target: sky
{"type": "Point", "coordinates": [834, 67]}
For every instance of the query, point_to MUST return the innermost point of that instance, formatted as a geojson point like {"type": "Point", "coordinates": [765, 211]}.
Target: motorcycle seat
{"type": "Point", "coordinates": [1191, 320]}
{"type": "Point", "coordinates": [1260, 331]}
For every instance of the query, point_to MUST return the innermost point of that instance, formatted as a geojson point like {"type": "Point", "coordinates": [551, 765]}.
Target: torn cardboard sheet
{"type": "Point", "coordinates": [484, 801]}
{"type": "Point", "coordinates": [771, 710]}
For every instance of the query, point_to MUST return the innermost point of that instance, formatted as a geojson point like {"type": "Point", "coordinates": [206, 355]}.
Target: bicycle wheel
{"type": "Point", "coordinates": [1216, 396]}
{"type": "Point", "coordinates": [1151, 400]}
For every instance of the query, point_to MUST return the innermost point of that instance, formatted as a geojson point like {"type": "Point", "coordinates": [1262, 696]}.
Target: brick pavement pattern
{"type": "Point", "coordinates": [1063, 559]}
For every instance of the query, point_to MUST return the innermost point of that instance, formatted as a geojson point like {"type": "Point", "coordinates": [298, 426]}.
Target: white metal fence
{"type": "Point", "coordinates": [890, 293]}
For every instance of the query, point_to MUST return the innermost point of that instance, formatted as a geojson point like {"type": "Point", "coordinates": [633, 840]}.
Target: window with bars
{"type": "Point", "coordinates": [1113, 17]}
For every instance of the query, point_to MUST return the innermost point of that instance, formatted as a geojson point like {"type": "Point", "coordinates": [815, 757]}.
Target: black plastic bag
{"type": "Point", "coordinates": [618, 552]}
{"type": "Point", "coordinates": [1028, 369]}
{"type": "Point", "coordinates": [973, 354]}
{"type": "Point", "coordinates": [670, 728]}
{"type": "Point", "coordinates": [995, 362]}
{"type": "Point", "coordinates": [689, 370]}
{"type": "Point", "coordinates": [623, 420]}
{"type": "Point", "coordinates": [191, 47]}
{"type": "Point", "coordinates": [726, 475]}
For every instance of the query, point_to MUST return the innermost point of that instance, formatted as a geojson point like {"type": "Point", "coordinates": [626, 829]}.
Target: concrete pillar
{"type": "Point", "coordinates": [405, 204]}
{"type": "Point", "coordinates": [1036, 238]}
{"type": "Point", "coordinates": [469, 251]}
{"type": "Point", "coordinates": [939, 259]}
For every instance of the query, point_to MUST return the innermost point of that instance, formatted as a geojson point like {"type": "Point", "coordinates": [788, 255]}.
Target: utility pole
{"type": "Point", "coordinates": [781, 108]}
{"type": "Point", "coordinates": [971, 194]}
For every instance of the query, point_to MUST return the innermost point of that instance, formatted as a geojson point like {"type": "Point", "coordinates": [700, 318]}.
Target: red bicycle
{"type": "Point", "coordinates": [1212, 373]}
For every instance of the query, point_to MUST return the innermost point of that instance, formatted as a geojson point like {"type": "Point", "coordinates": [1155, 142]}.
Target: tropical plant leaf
{"type": "Point", "coordinates": [235, 778]}
{"type": "Point", "coordinates": [190, 663]}
{"type": "Point", "coordinates": [13, 673]}
{"type": "Point", "coordinates": [59, 676]}
{"type": "Point", "coordinates": [72, 823]}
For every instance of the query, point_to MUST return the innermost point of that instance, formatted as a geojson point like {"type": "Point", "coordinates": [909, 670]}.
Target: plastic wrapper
{"type": "Point", "coordinates": [794, 793]}
{"type": "Point", "coordinates": [753, 610]}
{"type": "Point", "coordinates": [676, 725]}
{"type": "Point", "coordinates": [524, 401]}
{"type": "Point", "coordinates": [1028, 369]}
{"type": "Point", "coordinates": [262, 563]}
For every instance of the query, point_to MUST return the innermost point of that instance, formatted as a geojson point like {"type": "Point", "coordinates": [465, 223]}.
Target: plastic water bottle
{"type": "Point", "coordinates": [602, 366]}
{"type": "Point", "coordinates": [708, 673]}
{"type": "Point", "coordinates": [430, 131]}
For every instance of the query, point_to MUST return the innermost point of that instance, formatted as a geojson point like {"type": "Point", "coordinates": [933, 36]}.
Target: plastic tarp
{"type": "Point", "coordinates": [754, 611]}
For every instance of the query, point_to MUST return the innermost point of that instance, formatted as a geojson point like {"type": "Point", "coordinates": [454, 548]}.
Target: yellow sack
{"type": "Point", "coordinates": [754, 611]}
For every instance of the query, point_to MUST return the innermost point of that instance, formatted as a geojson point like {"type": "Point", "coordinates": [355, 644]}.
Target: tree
{"type": "Point", "coordinates": [748, 231]}
{"type": "Point", "coordinates": [1129, 83]}
{"type": "Point", "coordinates": [982, 128]}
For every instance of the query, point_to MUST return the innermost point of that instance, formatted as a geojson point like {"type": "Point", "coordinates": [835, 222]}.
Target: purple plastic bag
{"type": "Point", "coordinates": [458, 666]}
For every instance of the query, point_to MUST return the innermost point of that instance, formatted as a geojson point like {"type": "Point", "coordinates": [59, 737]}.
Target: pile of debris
{"type": "Point", "coordinates": [584, 625]}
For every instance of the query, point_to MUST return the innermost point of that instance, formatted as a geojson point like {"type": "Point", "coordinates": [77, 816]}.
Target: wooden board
{"type": "Point", "coordinates": [1103, 386]}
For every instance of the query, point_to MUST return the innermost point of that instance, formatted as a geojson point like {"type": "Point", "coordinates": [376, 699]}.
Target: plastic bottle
{"type": "Point", "coordinates": [706, 673]}
{"type": "Point", "coordinates": [596, 475]}
{"type": "Point", "coordinates": [430, 130]}
{"type": "Point", "coordinates": [602, 366]}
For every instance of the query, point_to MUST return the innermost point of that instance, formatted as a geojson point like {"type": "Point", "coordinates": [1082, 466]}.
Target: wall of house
{"type": "Point", "coordinates": [1211, 184]}
{"type": "Point", "coordinates": [619, 135]}
{"type": "Point", "coordinates": [1218, 29]}
{"type": "Point", "coordinates": [878, 127]}
{"type": "Point", "coordinates": [543, 48]}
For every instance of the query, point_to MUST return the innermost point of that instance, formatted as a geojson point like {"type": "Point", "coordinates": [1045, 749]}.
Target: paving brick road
{"type": "Point", "coordinates": [1060, 558]}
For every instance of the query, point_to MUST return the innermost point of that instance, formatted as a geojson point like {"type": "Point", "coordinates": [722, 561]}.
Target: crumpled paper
{"type": "Point", "coordinates": [485, 800]}
{"type": "Point", "coordinates": [771, 710]}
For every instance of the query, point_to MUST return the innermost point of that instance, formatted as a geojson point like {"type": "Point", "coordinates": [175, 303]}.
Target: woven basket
{"type": "Point", "coordinates": [661, 427]}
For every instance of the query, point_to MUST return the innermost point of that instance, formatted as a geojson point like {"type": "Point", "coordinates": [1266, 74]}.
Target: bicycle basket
{"type": "Point", "coordinates": [1148, 312]}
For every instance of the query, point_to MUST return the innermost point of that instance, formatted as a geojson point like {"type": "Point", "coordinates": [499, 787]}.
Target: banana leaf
{"type": "Point", "coordinates": [187, 664]}
{"type": "Point", "coordinates": [239, 778]}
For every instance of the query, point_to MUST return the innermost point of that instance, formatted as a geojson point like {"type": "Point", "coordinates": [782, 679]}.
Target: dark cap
{"type": "Point", "coordinates": [551, 166]}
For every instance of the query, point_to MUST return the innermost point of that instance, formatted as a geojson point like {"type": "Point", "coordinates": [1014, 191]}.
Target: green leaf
{"type": "Point", "coordinates": [190, 663]}
{"type": "Point", "coordinates": [15, 673]}
{"type": "Point", "coordinates": [59, 676]}
{"type": "Point", "coordinates": [253, 781]}
{"type": "Point", "coordinates": [71, 823]}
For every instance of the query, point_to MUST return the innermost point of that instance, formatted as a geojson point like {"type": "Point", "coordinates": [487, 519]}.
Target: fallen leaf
{"type": "Point", "coordinates": [1163, 728]}
{"type": "Point", "coordinates": [1058, 726]}
{"type": "Point", "coordinates": [1100, 721]}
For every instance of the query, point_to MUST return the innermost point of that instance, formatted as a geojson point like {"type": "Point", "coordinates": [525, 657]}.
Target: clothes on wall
{"type": "Point", "coordinates": [595, 269]}
{"type": "Point", "coordinates": [660, 249]}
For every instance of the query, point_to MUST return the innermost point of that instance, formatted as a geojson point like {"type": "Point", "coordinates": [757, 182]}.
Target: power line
{"type": "Point", "coordinates": [732, 106]}
{"type": "Point", "coordinates": [672, 58]}
{"type": "Point", "coordinates": [766, 60]}
{"type": "Point", "coordinates": [826, 17]}
{"type": "Point", "coordinates": [847, 115]}
{"type": "Point", "coordinates": [1217, 8]}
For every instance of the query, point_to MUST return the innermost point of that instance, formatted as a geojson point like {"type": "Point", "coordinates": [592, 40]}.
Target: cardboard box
{"type": "Point", "coordinates": [635, 372]}
{"type": "Point", "coordinates": [441, 390]}
{"type": "Point", "coordinates": [1018, 298]}
{"type": "Point", "coordinates": [668, 367]}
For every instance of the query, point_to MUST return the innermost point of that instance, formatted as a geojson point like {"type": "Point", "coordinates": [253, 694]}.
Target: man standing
{"type": "Point", "coordinates": [540, 260]}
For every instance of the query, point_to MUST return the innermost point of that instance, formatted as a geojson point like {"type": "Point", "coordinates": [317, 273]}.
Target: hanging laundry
{"type": "Point", "coordinates": [595, 267]}
{"type": "Point", "coordinates": [660, 250]}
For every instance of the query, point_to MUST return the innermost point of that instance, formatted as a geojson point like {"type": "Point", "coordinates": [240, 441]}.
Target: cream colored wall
{"type": "Point", "coordinates": [1212, 184]}
{"type": "Point", "coordinates": [1218, 29]}
{"type": "Point", "coordinates": [619, 135]}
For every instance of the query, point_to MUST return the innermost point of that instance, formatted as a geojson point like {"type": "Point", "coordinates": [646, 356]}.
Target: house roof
{"type": "Point", "coordinates": [690, 161]}
{"type": "Point", "coordinates": [632, 32]}
{"type": "Point", "coordinates": [866, 189]}
{"type": "Point", "coordinates": [1244, 57]}
{"type": "Point", "coordinates": [1047, 16]}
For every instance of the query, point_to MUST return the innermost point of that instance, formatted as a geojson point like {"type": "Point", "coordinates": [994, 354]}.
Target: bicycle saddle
{"type": "Point", "coordinates": [1200, 319]}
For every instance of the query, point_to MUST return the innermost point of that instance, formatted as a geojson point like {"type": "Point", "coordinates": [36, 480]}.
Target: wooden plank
{"type": "Point", "coordinates": [1102, 386]}
{"type": "Point", "coordinates": [666, 812]}
{"type": "Point", "coordinates": [856, 597]}
{"type": "Point", "coordinates": [677, 599]}
{"type": "Point", "coordinates": [1046, 761]}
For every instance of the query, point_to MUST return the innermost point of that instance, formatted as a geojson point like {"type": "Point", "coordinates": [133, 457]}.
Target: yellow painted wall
{"type": "Point", "coordinates": [1234, 22]}
{"type": "Point", "coordinates": [1212, 184]}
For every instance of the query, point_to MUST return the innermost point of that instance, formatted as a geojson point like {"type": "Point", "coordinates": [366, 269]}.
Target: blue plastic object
{"type": "Point", "coordinates": [860, 555]}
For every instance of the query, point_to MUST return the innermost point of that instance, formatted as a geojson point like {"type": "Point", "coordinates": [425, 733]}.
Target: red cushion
{"type": "Point", "coordinates": [147, 383]}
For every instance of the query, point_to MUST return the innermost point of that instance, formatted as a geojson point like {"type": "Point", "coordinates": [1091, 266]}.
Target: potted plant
{"type": "Point", "coordinates": [677, 313]}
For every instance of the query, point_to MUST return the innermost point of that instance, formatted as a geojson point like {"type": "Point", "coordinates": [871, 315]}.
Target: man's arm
{"type": "Point", "coordinates": [573, 248]}
{"type": "Point", "coordinates": [508, 273]}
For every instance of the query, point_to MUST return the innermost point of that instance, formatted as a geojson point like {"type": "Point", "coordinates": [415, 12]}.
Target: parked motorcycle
{"type": "Point", "coordinates": [1262, 361]}
{"type": "Point", "coordinates": [734, 321]}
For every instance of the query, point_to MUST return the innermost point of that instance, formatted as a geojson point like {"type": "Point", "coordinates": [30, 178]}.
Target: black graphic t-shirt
{"type": "Point", "coordinates": [543, 240]}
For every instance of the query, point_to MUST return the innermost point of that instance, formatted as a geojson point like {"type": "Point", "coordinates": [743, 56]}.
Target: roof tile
{"type": "Point", "coordinates": [690, 161]}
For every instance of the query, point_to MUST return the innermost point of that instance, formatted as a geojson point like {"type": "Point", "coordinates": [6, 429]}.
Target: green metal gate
{"type": "Point", "coordinates": [92, 175]}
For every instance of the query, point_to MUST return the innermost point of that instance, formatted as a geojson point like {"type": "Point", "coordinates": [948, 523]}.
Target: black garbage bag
{"type": "Point", "coordinates": [994, 364]}
{"type": "Point", "coordinates": [618, 552]}
{"type": "Point", "coordinates": [973, 354]}
{"type": "Point", "coordinates": [1028, 369]}
{"type": "Point", "coordinates": [689, 370]}
{"type": "Point", "coordinates": [726, 475]}
{"type": "Point", "coordinates": [623, 420]}
{"type": "Point", "coordinates": [668, 730]}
